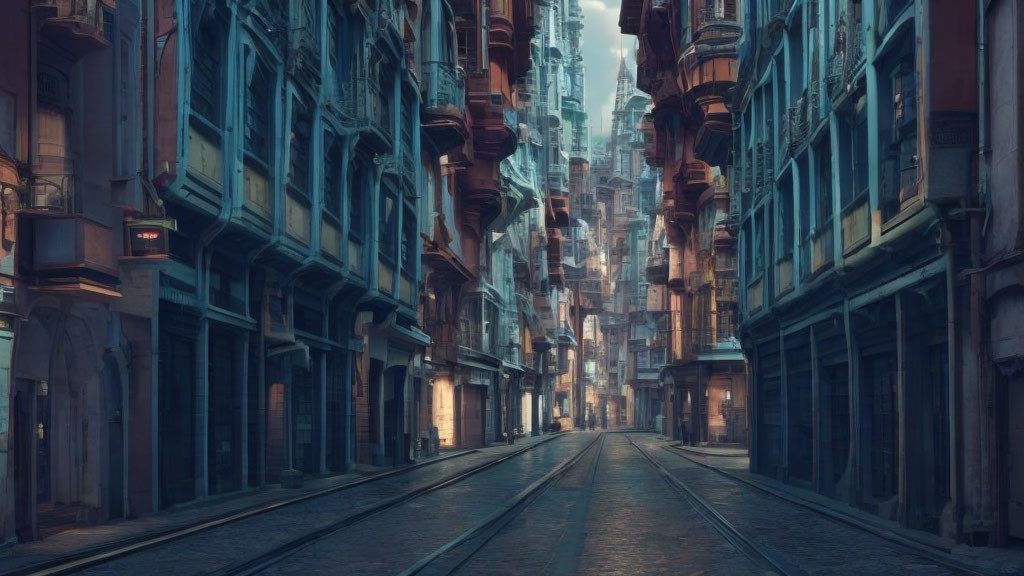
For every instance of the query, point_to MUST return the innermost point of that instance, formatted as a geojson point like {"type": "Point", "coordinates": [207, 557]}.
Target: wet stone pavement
{"type": "Point", "coordinates": [607, 512]}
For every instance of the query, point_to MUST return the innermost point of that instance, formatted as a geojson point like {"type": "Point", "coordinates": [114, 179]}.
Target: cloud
{"type": "Point", "coordinates": [602, 46]}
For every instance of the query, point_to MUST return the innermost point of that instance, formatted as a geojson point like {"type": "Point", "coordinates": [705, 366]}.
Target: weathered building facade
{"type": "Point", "coordinates": [872, 283]}
{"type": "Point", "coordinates": [70, 118]}
{"type": "Point", "coordinates": [686, 61]}
{"type": "Point", "coordinates": [998, 275]}
{"type": "Point", "coordinates": [248, 242]}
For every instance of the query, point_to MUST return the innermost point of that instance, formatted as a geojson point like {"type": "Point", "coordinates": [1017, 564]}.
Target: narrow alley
{"type": "Point", "coordinates": [511, 287]}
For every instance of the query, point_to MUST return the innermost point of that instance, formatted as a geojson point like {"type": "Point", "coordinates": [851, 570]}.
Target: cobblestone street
{"type": "Point", "coordinates": [579, 503]}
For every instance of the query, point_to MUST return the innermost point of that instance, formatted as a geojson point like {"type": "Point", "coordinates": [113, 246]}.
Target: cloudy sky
{"type": "Point", "coordinates": [601, 51]}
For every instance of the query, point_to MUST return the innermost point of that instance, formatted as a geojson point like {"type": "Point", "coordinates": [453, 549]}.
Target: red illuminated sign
{"type": "Point", "coordinates": [148, 240]}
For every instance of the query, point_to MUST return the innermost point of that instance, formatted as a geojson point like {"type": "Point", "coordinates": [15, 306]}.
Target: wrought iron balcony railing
{"type": "Point", "coordinates": [446, 85]}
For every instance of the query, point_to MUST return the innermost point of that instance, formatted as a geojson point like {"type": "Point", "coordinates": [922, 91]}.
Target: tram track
{"type": "Point", "coordinates": [768, 559]}
{"type": "Point", "coordinates": [103, 554]}
{"type": "Point", "coordinates": [924, 551]}
{"type": "Point", "coordinates": [454, 554]}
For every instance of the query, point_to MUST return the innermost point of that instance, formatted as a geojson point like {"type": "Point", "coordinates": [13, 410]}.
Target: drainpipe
{"type": "Point", "coordinates": [987, 464]}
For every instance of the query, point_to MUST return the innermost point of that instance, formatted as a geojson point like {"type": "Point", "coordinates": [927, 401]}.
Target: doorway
{"type": "Point", "coordinates": [1015, 441]}
{"type": "Point", "coordinates": [175, 430]}
{"type": "Point", "coordinates": [22, 429]}
{"type": "Point", "coordinates": [115, 440]}
{"type": "Point", "coordinates": [393, 404]}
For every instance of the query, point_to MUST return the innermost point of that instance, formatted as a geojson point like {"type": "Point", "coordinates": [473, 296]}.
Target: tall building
{"type": "Point", "coordinates": [249, 242]}
{"type": "Point", "coordinates": [686, 61]}
{"type": "Point", "coordinates": [70, 128]}
{"type": "Point", "coordinates": [875, 213]}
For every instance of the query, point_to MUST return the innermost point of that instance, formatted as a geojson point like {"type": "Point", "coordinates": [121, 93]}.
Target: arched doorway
{"type": "Point", "coordinates": [58, 447]}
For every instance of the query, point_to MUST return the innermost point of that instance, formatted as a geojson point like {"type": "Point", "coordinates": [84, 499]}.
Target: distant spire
{"type": "Point", "coordinates": [625, 84]}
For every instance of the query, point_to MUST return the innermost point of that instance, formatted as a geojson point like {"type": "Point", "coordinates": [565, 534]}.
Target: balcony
{"type": "Point", "coordinates": [715, 18]}
{"type": "Point", "coordinates": [558, 212]}
{"type": "Point", "coordinates": [303, 56]}
{"type": "Point", "coordinates": [67, 254]}
{"type": "Point", "coordinates": [444, 115]}
{"type": "Point", "coordinates": [365, 110]}
{"type": "Point", "coordinates": [726, 290]}
{"type": "Point", "coordinates": [657, 268]}
{"type": "Point", "coordinates": [444, 342]}
{"type": "Point", "coordinates": [78, 26]}
{"type": "Point", "coordinates": [848, 57]}
{"type": "Point", "coordinates": [50, 193]}
{"type": "Point", "coordinates": [696, 176]}
{"type": "Point", "coordinates": [495, 122]}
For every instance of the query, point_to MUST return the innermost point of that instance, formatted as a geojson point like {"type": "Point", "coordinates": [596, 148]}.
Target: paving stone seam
{"type": "Point", "coordinates": [492, 524]}
{"type": "Point", "coordinates": [283, 551]}
{"type": "Point", "coordinates": [742, 542]}
{"type": "Point", "coordinates": [96, 555]}
{"type": "Point", "coordinates": [927, 551]}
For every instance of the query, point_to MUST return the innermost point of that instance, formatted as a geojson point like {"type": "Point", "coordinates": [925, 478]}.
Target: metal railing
{"type": "Point", "coordinates": [363, 104]}
{"type": "Point", "coordinates": [446, 85]}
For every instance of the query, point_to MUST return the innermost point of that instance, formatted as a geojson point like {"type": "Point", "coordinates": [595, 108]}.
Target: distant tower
{"type": "Point", "coordinates": [625, 85]}
{"type": "Point", "coordinates": [621, 129]}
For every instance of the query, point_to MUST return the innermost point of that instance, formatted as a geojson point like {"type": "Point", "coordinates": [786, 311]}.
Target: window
{"type": "Point", "coordinates": [206, 63]}
{"type": "Point", "coordinates": [823, 199]}
{"type": "Point", "coordinates": [725, 326]}
{"type": "Point", "coordinates": [860, 156]}
{"type": "Point", "coordinates": [332, 176]}
{"type": "Point", "coordinates": [357, 202]}
{"type": "Point", "coordinates": [8, 123]}
{"type": "Point", "coordinates": [332, 41]}
{"type": "Point", "coordinates": [298, 157]}
{"type": "Point", "coordinates": [409, 237]}
{"type": "Point", "coordinates": [388, 223]}
{"type": "Point", "coordinates": [467, 49]}
{"type": "Point", "coordinates": [310, 22]}
{"type": "Point", "coordinates": [899, 170]}
{"type": "Point", "coordinates": [758, 249]}
{"type": "Point", "coordinates": [258, 108]}
{"type": "Point", "coordinates": [657, 357]}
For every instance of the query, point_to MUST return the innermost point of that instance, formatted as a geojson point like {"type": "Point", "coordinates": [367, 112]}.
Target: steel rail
{"type": "Point", "coordinates": [487, 528]}
{"type": "Point", "coordinates": [103, 553]}
{"type": "Point", "coordinates": [752, 549]}
{"type": "Point", "coordinates": [920, 549]}
{"type": "Point", "coordinates": [282, 551]}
